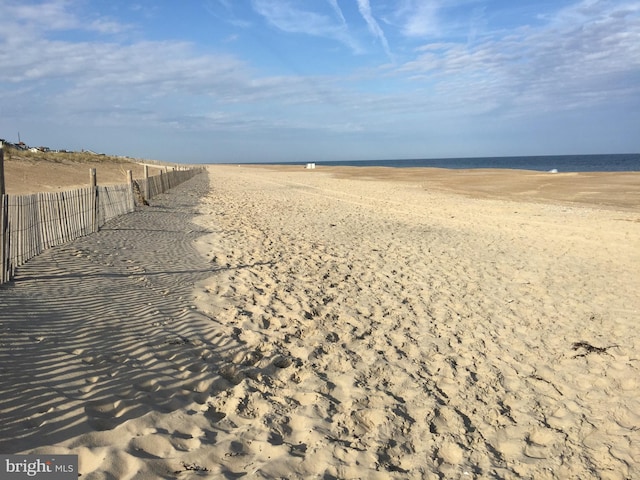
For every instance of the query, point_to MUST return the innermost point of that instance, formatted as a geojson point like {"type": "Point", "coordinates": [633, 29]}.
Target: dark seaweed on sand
{"type": "Point", "coordinates": [588, 348]}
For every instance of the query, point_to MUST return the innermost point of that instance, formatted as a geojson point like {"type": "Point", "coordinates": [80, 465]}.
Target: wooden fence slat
{"type": "Point", "coordinates": [4, 239]}
{"type": "Point", "coordinates": [30, 224]}
{"type": "Point", "coordinates": [47, 210]}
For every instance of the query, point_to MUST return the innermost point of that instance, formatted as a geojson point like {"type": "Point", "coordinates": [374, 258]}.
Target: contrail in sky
{"type": "Point", "coordinates": [374, 28]}
{"type": "Point", "coordinates": [336, 8]}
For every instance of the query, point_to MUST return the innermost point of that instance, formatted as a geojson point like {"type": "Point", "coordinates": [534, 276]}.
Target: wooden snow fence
{"type": "Point", "coordinates": [157, 184]}
{"type": "Point", "coordinates": [30, 224]}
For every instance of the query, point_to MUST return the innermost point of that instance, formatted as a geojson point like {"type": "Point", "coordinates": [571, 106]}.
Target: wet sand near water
{"type": "Point", "coordinates": [597, 189]}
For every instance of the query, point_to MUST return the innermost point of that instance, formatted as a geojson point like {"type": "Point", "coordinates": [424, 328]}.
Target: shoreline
{"type": "Point", "coordinates": [607, 190]}
{"type": "Point", "coordinates": [567, 163]}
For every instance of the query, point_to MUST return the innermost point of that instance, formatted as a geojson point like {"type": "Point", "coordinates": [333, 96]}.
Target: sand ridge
{"type": "Point", "coordinates": [290, 324]}
{"type": "Point", "coordinates": [33, 175]}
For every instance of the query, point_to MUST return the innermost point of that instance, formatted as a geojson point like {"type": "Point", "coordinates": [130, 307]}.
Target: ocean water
{"type": "Point", "coordinates": [562, 163]}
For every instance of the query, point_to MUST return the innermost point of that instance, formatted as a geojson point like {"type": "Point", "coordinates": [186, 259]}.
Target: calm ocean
{"type": "Point", "coordinates": [562, 163]}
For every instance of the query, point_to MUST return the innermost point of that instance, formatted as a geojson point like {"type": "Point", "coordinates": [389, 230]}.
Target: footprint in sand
{"type": "Point", "coordinates": [282, 361]}
{"type": "Point", "coordinates": [446, 420]}
{"type": "Point", "coordinates": [231, 373]}
{"type": "Point", "coordinates": [104, 414]}
{"type": "Point", "coordinates": [198, 367]}
{"type": "Point", "coordinates": [540, 443]}
{"type": "Point", "coordinates": [451, 453]}
{"type": "Point", "coordinates": [200, 386]}
{"type": "Point", "coordinates": [150, 447]}
{"type": "Point", "coordinates": [508, 442]}
{"type": "Point", "coordinates": [213, 415]}
{"type": "Point", "coordinates": [150, 385]}
{"type": "Point", "coordinates": [89, 359]}
{"type": "Point", "coordinates": [187, 441]}
{"type": "Point", "coordinates": [90, 384]}
{"type": "Point", "coordinates": [248, 359]}
{"type": "Point", "coordinates": [627, 418]}
{"type": "Point", "coordinates": [368, 419]}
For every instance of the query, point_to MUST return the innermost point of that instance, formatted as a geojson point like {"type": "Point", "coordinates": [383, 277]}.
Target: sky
{"type": "Point", "coordinates": [206, 81]}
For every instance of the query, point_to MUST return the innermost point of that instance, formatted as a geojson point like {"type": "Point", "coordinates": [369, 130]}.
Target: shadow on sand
{"type": "Point", "coordinates": [101, 330]}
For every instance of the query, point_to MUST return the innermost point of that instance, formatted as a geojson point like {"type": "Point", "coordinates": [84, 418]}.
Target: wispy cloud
{"type": "Point", "coordinates": [223, 10]}
{"type": "Point", "coordinates": [585, 54]}
{"type": "Point", "coordinates": [74, 65]}
{"type": "Point", "coordinates": [54, 16]}
{"type": "Point", "coordinates": [365, 10]}
{"type": "Point", "coordinates": [337, 10]}
{"type": "Point", "coordinates": [288, 17]}
{"type": "Point", "coordinates": [420, 18]}
{"type": "Point", "coordinates": [107, 82]}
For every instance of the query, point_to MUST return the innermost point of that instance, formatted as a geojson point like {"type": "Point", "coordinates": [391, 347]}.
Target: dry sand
{"type": "Point", "coordinates": [33, 175]}
{"type": "Point", "coordinates": [283, 323]}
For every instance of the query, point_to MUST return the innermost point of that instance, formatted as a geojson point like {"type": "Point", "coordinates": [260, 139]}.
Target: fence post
{"type": "Point", "coordinates": [130, 183]}
{"type": "Point", "coordinates": [5, 254]}
{"type": "Point", "coordinates": [4, 224]}
{"type": "Point", "coordinates": [2, 189]}
{"type": "Point", "coordinates": [93, 183]}
{"type": "Point", "coordinates": [146, 182]}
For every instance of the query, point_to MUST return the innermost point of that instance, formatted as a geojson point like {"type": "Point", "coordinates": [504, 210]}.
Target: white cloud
{"type": "Point", "coordinates": [223, 10]}
{"type": "Point", "coordinates": [365, 10]}
{"type": "Point", "coordinates": [286, 16]}
{"type": "Point", "coordinates": [105, 26]}
{"type": "Point", "coordinates": [584, 55]}
{"type": "Point", "coordinates": [587, 54]}
{"type": "Point", "coordinates": [337, 10]}
{"type": "Point", "coordinates": [55, 15]}
{"type": "Point", "coordinates": [100, 82]}
{"type": "Point", "coordinates": [421, 20]}
{"type": "Point", "coordinates": [52, 15]}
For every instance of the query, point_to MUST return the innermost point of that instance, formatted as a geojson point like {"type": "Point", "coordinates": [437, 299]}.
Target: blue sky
{"type": "Point", "coordinates": [312, 80]}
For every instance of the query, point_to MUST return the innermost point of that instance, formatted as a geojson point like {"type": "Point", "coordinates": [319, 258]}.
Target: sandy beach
{"type": "Point", "coordinates": [276, 322]}
{"type": "Point", "coordinates": [40, 172]}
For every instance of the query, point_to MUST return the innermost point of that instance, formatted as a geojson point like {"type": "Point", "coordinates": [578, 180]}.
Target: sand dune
{"type": "Point", "coordinates": [290, 324]}
{"type": "Point", "coordinates": [33, 175]}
